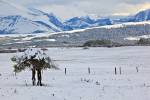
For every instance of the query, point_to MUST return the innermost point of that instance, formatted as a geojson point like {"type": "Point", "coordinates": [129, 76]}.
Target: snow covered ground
{"type": "Point", "coordinates": [138, 37]}
{"type": "Point", "coordinates": [101, 84]}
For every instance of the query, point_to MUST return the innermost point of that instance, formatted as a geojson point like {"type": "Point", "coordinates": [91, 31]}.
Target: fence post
{"type": "Point", "coordinates": [65, 71]}
{"type": "Point", "coordinates": [120, 70]}
{"type": "Point", "coordinates": [115, 71]}
{"type": "Point", "coordinates": [89, 71]}
{"type": "Point", "coordinates": [137, 70]}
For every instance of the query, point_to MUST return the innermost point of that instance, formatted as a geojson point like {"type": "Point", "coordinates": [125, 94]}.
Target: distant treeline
{"type": "Point", "coordinates": [109, 43]}
{"type": "Point", "coordinates": [9, 50]}
{"type": "Point", "coordinates": [101, 43]}
{"type": "Point", "coordinates": [144, 41]}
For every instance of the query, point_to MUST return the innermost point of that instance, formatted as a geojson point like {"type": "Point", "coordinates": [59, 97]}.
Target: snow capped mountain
{"type": "Point", "coordinates": [86, 22]}
{"type": "Point", "coordinates": [18, 24]}
{"type": "Point", "coordinates": [88, 19]}
{"type": "Point", "coordinates": [49, 20]}
{"type": "Point", "coordinates": [42, 21]}
{"type": "Point", "coordinates": [17, 19]}
{"type": "Point", "coordinates": [123, 20]}
{"type": "Point", "coordinates": [53, 19]}
{"type": "Point", "coordinates": [78, 22]}
{"type": "Point", "coordinates": [142, 16]}
{"type": "Point", "coordinates": [103, 21]}
{"type": "Point", "coordinates": [139, 17]}
{"type": "Point", "coordinates": [42, 18]}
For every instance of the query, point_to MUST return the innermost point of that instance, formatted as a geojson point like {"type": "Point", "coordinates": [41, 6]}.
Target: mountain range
{"type": "Point", "coordinates": [30, 20]}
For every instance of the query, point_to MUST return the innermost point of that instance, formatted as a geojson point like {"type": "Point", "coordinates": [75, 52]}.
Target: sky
{"type": "Point", "coordinates": [70, 8]}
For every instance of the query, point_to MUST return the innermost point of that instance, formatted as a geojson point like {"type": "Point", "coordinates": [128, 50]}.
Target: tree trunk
{"type": "Point", "coordinates": [39, 76]}
{"type": "Point", "coordinates": [33, 77]}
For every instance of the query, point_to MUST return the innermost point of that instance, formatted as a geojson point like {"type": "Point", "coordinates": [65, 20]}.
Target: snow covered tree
{"type": "Point", "coordinates": [35, 60]}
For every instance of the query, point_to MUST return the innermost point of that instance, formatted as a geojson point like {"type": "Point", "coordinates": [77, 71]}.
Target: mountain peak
{"type": "Point", "coordinates": [143, 15]}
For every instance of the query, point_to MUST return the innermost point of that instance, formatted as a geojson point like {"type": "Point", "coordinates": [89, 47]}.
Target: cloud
{"type": "Point", "coordinates": [127, 9]}
{"type": "Point", "coordinates": [68, 8]}
{"type": "Point", "coordinates": [135, 2]}
{"type": "Point", "coordinates": [62, 11]}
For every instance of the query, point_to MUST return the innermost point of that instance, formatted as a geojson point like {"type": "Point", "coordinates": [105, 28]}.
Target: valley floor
{"type": "Point", "coordinates": [78, 84]}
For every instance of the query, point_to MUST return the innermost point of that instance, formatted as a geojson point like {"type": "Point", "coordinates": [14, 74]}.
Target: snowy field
{"type": "Point", "coordinates": [100, 84]}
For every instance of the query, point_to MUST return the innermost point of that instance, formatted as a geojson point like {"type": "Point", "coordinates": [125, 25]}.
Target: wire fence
{"type": "Point", "coordinates": [102, 71]}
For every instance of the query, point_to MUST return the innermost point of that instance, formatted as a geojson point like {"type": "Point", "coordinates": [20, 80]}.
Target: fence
{"type": "Point", "coordinates": [99, 71]}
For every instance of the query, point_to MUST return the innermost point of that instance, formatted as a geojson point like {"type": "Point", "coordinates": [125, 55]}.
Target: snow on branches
{"type": "Point", "coordinates": [32, 58]}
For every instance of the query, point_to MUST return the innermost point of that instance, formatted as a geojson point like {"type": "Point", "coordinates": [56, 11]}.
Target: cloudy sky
{"type": "Point", "coordinates": [68, 8]}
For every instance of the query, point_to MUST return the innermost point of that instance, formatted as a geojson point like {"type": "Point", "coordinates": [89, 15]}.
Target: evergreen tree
{"type": "Point", "coordinates": [35, 60]}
